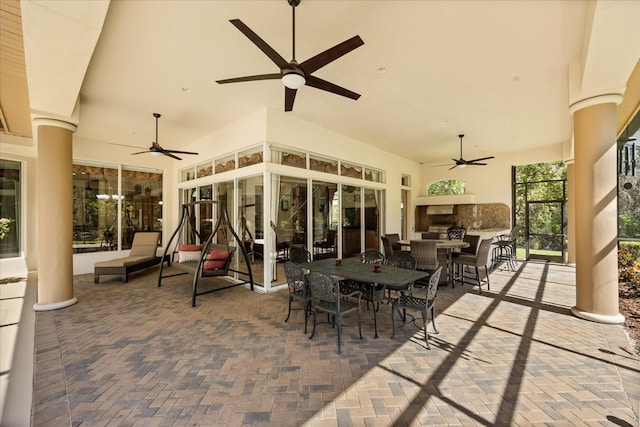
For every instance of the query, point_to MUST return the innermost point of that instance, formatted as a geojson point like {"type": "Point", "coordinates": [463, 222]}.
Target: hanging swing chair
{"type": "Point", "coordinates": [206, 257]}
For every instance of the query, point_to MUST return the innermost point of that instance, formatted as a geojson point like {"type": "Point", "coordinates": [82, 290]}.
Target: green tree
{"type": "Point", "coordinates": [446, 187]}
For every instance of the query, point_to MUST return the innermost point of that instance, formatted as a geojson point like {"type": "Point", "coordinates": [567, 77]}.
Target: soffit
{"type": "Point", "coordinates": [630, 105]}
{"type": "Point", "coordinates": [14, 93]}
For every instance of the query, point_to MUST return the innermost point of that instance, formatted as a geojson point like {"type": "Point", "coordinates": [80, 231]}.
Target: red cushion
{"type": "Point", "coordinates": [185, 248]}
{"type": "Point", "coordinates": [216, 259]}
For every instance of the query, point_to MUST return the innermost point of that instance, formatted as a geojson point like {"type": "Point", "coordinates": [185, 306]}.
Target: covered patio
{"type": "Point", "coordinates": [138, 355]}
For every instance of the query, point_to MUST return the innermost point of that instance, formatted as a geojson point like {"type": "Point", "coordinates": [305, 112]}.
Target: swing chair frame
{"type": "Point", "coordinates": [197, 269]}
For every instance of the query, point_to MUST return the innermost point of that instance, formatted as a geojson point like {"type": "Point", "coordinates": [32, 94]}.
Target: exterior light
{"type": "Point", "coordinates": [293, 79]}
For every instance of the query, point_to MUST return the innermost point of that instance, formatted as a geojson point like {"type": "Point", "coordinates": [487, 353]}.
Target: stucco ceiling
{"type": "Point", "coordinates": [496, 71]}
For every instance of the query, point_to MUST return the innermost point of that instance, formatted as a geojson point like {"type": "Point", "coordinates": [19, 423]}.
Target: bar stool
{"type": "Point", "coordinates": [504, 251]}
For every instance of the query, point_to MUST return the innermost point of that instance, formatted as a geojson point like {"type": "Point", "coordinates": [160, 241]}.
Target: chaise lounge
{"type": "Point", "coordinates": [142, 255]}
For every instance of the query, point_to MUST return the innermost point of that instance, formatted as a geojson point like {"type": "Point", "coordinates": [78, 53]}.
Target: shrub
{"type": "Point", "coordinates": [633, 248]}
{"type": "Point", "coordinates": [629, 270]}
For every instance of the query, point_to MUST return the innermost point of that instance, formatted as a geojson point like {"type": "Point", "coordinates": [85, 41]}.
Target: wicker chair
{"type": "Point", "coordinates": [478, 261]}
{"type": "Point", "coordinates": [426, 255]}
{"type": "Point", "coordinates": [386, 244]}
{"type": "Point", "coordinates": [424, 305]}
{"type": "Point", "coordinates": [142, 255]}
{"type": "Point", "coordinates": [326, 297]}
{"type": "Point", "coordinates": [394, 239]}
{"type": "Point", "coordinates": [298, 290]}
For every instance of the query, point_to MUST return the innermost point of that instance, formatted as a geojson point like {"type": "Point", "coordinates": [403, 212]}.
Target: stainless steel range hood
{"type": "Point", "coordinates": [440, 210]}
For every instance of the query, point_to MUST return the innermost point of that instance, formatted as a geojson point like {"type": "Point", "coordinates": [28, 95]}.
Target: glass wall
{"type": "Point", "coordinates": [142, 202]}
{"type": "Point", "coordinates": [95, 208]}
{"type": "Point", "coordinates": [372, 218]}
{"type": "Point", "coordinates": [97, 204]}
{"type": "Point", "coordinates": [351, 220]}
{"type": "Point", "coordinates": [250, 226]}
{"type": "Point", "coordinates": [325, 219]}
{"type": "Point", "coordinates": [10, 197]}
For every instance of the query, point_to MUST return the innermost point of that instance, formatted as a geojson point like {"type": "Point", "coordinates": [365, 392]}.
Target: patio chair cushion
{"type": "Point", "coordinates": [189, 253]}
{"type": "Point", "coordinates": [145, 244]}
{"type": "Point", "coordinates": [216, 259]}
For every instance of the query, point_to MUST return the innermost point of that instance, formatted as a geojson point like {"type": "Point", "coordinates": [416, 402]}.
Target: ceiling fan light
{"type": "Point", "coordinates": [462, 165]}
{"type": "Point", "coordinates": [156, 153]}
{"type": "Point", "coordinates": [293, 79]}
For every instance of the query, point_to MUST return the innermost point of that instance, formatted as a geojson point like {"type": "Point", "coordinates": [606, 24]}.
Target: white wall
{"type": "Point", "coordinates": [491, 183]}
{"type": "Point", "coordinates": [284, 129]}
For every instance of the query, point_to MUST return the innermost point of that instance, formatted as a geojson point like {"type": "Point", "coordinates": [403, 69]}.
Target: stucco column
{"type": "Point", "coordinates": [55, 214]}
{"type": "Point", "coordinates": [596, 225]}
{"type": "Point", "coordinates": [571, 213]}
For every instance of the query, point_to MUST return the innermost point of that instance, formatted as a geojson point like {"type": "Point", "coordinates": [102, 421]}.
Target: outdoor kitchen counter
{"type": "Point", "coordinates": [488, 233]}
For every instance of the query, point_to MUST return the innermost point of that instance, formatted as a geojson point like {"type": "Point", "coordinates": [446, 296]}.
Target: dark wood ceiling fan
{"type": "Point", "coordinates": [461, 162]}
{"type": "Point", "coordinates": [156, 149]}
{"type": "Point", "coordinates": [293, 74]}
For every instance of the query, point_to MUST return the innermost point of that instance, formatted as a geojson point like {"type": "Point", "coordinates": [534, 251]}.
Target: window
{"type": "Point", "coordinates": [446, 187]}
{"type": "Point", "coordinates": [10, 197]}
{"type": "Point", "coordinates": [226, 163]}
{"type": "Point", "coordinates": [141, 202]}
{"type": "Point", "coordinates": [250, 157]}
{"type": "Point", "coordinates": [95, 208]}
{"type": "Point", "coordinates": [97, 202]}
{"type": "Point", "coordinates": [296, 159]}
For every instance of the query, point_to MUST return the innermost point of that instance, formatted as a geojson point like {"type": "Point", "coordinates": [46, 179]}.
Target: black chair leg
{"type": "Point", "coordinates": [315, 317]}
{"type": "Point", "coordinates": [289, 312]}
{"type": "Point", "coordinates": [425, 322]}
{"type": "Point", "coordinates": [433, 320]}
{"type": "Point", "coordinates": [375, 324]}
{"type": "Point", "coordinates": [339, 332]}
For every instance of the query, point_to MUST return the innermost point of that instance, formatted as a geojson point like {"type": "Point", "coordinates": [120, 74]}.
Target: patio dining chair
{"type": "Point", "coordinates": [426, 254]}
{"type": "Point", "coordinates": [326, 297]}
{"type": "Point", "coordinates": [426, 306]}
{"type": "Point", "coordinates": [394, 239]}
{"type": "Point", "coordinates": [401, 260]}
{"type": "Point", "coordinates": [386, 244]}
{"type": "Point", "coordinates": [478, 262]}
{"type": "Point", "coordinates": [298, 290]}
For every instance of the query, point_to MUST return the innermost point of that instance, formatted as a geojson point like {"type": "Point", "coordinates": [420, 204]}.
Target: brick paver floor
{"type": "Point", "coordinates": [138, 355]}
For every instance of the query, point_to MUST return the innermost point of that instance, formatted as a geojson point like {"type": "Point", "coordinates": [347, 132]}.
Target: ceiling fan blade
{"type": "Point", "coordinates": [262, 45]}
{"type": "Point", "coordinates": [179, 152]}
{"type": "Point", "coordinates": [272, 76]}
{"type": "Point", "coordinates": [320, 60]}
{"type": "Point", "coordinates": [453, 167]}
{"type": "Point", "coordinates": [289, 97]}
{"type": "Point", "coordinates": [125, 145]}
{"type": "Point", "coordinates": [166, 153]}
{"type": "Point", "coordinates": [321, 84]}
{"type": "Point", "coordinates": [480, 159]}
{"type": "Point", "coordinates": [141, 152]}
{"type": "Point", "coordinates": [470, 163]}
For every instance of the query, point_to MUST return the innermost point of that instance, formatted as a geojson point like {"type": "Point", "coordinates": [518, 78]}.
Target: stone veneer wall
{"type": "Point", "coordinates": [478, 216]}
{"type": "Point", "coordinates": [484, 215]}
